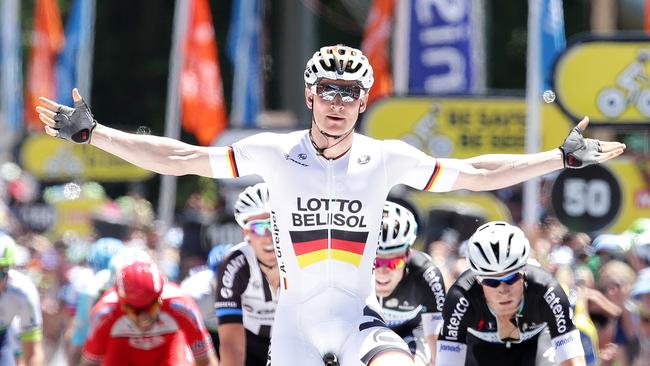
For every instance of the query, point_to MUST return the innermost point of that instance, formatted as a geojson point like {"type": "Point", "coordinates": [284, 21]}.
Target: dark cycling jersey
{"type": "Point", "coordinates": [245, 296]}
{"type": "Point", "coordinates": [414, 309]}
{"type": "Point", "coordinates": [468, 320]}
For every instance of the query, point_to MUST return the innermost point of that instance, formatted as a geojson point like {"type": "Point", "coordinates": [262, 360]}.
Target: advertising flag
{"type": "Point", "coordinates": [202, 104]}
{"type": "Point", "coordinates": [73, 67]}
{"type": "Point", "coordinates": [375, 47]}
{"type": "Point", "coordinates": [244, 51]}
{"type": "Point", "coordinates": [47, 40]}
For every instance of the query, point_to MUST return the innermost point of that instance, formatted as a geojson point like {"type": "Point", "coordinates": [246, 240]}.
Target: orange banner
{"type": "Point", "coordinates": [375, 47]}
{"type": "Point", "coordinates": [204, 112]}
{"type": "Point", "coordinates": [646, 16]}
{"type": "Point", "coordinates": [47, 40]}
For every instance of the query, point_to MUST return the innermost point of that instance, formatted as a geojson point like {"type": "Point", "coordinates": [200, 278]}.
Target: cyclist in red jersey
{"type": "Point", "coordinates": [146, 321]}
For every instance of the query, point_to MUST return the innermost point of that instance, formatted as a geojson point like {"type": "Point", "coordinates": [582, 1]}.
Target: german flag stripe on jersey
{"type": "Point", "coordinates": [434, 176]}
{"type": "Point", "coordinates": [311, 246]}
{"type": "Point", "coordinates": [232, 162]}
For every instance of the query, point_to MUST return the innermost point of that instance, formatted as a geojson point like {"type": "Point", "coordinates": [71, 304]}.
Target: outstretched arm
{"type": "Point", "coordinates": [494, 171]}
{"type": "Point", "coordinates": [159, 154]}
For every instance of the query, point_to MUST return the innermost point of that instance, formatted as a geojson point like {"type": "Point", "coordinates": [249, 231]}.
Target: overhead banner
{"type": "Point", "coordinates": [49, 158]}
{"type": "Point", "coordinates": [606, 79]}
{"type": "Point", "coordinates": [445, 41]}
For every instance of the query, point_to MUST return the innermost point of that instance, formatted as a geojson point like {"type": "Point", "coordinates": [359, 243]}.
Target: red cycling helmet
{"type": "Point", "coordinates": [139, 284]}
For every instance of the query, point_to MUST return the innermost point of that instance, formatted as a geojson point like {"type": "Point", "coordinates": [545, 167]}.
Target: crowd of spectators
{"type": "Point", "coordinates": [607, 275]}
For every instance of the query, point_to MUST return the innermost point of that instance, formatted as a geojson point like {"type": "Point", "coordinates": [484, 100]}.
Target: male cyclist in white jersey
{"type": "Point", "coordinates": [18, 300]}
{"type": "Point", "coordinates": [328, 189]}
{"type": "Point", "coordinates": [410, 288]}
{"type": "Point", "coordinates": [505, 311]}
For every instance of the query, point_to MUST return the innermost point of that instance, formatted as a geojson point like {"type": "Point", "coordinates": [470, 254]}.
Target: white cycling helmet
{"type": "Point", "coordinates": [339, 63]}
{"type": "Point", "coordinates": [254, 200]}
{"type": "Point", "coordinates": [497, 248]}
{"type": "Point", "coordinates": [398, 229]}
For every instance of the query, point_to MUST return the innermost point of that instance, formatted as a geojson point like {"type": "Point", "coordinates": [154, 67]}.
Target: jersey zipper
{"type": "Point", "coordinates": [330, 189]}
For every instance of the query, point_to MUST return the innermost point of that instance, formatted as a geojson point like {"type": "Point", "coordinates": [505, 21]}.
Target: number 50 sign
{"type": "Point", "coordinates": [587, 199]}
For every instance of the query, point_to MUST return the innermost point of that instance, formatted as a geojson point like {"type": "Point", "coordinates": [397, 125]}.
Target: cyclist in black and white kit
{"type": "Point", "coordinates": [410, 288]}
{"type": "Point", "coordinates": [247, 284]}
{"type": "Point", "coordinates": [505, 311]}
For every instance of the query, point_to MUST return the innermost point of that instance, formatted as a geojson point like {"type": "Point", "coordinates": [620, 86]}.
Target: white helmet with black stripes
{"type": "Point", "coordinates": [398, 229]}
{"type": "Point", "coordinates": [339, 63]}
{"type": "Point", "coordinates": [253, 201]}
{"type": "Point", "coordinates": [497, 248]}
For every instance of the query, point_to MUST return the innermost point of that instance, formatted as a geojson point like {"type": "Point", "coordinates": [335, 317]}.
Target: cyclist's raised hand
{"type": "Point", "coordinates": [72, 124]}
{"type": "Point", "coordinates": [579, 151]}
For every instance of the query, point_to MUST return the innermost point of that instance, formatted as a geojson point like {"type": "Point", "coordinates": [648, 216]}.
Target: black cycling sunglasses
{"type": "Point", "coordinates": [328, 92]}
{"type": "Point", "coordinates": [4, 272]}
{"type": "Point", "coordinates": [496, 282]}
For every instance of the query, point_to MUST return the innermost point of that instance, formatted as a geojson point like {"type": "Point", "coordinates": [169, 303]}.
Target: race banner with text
{"type": "Point", "coordinates": [445, 44]}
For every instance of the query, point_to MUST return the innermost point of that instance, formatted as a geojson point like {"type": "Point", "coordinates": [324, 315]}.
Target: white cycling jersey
{"type": "Point", "coordinates": [20, 300]}
{"type": "Point", "coordinates": [326, 216]}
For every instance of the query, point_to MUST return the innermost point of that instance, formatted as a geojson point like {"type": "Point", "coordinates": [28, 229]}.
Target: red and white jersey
{"type": "Point", "coordinates": [179, 333]}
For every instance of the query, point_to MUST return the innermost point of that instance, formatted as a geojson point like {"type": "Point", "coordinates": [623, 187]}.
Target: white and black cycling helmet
{"type": "Point", "coordinates": [497, 248]}
{"type": "Point", "coordinates": [398, 229]}
{"type": "Point", "coordinates": [339, 63]}
{"type": "Point", "coordinates": [254, 200]}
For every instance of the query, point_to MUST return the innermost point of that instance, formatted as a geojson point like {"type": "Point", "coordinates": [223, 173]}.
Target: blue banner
{"type": "Point", "coordinates": [244, 51]}
{"type": "Point", "coordinates": [553, 40]}
{"type": "Point", "coordinates": [442, 48]}
{"type": "Point", "coordinates": [66, 65]}
{"type": "Point", "coordinates": [74, 64]}
{"type": "Point", "coordinates": [11, 70]}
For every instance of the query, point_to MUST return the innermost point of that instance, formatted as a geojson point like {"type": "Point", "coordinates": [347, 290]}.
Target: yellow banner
{"type": "Point", "coordinates": [75, 215]}
{"type": "Point", "coordinates": [50, 158]}
{"type": "Point", "coordinates": [462, 127]}
{"type": "Point", "coordinates": [606, 80]}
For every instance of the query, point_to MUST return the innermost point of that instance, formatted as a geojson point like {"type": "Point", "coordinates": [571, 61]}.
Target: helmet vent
{"type": "Point", "coordinates": [396, 230]}
{"type": "Point", "coordinates": [478, 245]}
{"type": "Point", "coordinates": [509, 245]}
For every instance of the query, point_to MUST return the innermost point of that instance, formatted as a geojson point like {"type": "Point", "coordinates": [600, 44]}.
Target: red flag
{"type": "Point", "coordinates": [646, 16]}
{"type": "Point", "coordinates": [204, 112]}
{"type": "Point", "coordinates": [47, 40]}
{"type": "Point", "coordinates": [375, 47]}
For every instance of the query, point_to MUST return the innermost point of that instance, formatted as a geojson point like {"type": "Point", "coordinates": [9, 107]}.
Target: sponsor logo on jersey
{"type": "Point", "coordinates": [228, 279]}
{"type": "Point", "coordinates": [276, 244]}
{"type": "Point", "coordinates": [363, 159]}
{"type": "Point", "coordinates": [392, 303]}
{"type": "Point", "coordinates": [553, 302]}
{"type": "Point", "coordinates": [311, 246]}
{"type": "Point", "coordinates": [289, 158]}
{"type": "Point", "coordinates": [456, 317]}
{"type": "Point", "coordinates": [199, 346]}
{"type": "Point", "coordinates": [395, 318]}
{"type": "Point", "coordinates": [146, 343]}
{"type": "Point", "coordinates": [433, 280]}
{"type": "Point", "coordinates": [324, 211]}
{"type": "Point", "coordinates": [225, 304]}
{"type": "Point", "coordinates": [564, 341]}
{"type": "Point", "coordinates": [450, 348]}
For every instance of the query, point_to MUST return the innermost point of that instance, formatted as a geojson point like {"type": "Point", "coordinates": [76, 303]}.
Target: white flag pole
{"type": "Point", "coordinates": [10, 74]}
{"type": "Point", "coordinates": [531, 203]}
{"type": "Point", "coordinates": [167, 196]}
{"type": "Point", "coordinates": [401, 47]}
{"type": "Point", "coordinates": [85, 56]}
